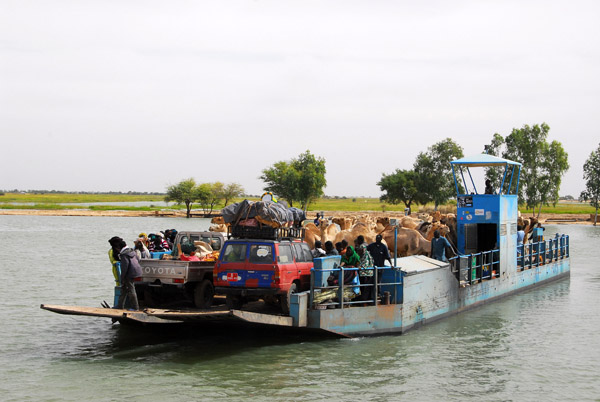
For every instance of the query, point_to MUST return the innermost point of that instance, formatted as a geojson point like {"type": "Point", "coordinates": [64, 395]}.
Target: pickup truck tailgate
{"type": "Point", "coordinates": [173, 271]}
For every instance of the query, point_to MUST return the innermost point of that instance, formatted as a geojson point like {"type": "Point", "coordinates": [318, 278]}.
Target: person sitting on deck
{"type": "Point", "coordinates": [329, 249]}
{"type": "Point", "coordinates": [318, 250]}
{"type": "Point", "coordinates": [350, 278]}
{"type": "Point", "coordinates": [344, 247]}
{"type": "Point", "coordinates": [438, 247]}
{"type": "Point", "coordinates": [140, 248]}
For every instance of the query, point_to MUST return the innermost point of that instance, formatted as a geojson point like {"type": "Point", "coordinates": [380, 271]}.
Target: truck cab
{"type": "Point", "coordinates": [268, 269]}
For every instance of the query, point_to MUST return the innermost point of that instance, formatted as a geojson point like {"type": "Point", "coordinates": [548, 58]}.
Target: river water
{"type": "Point", "coordinates": [543, 344]}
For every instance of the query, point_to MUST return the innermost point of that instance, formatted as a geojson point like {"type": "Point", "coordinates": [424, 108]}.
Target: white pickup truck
{"type": "Point", "coordinates": [172, 281]}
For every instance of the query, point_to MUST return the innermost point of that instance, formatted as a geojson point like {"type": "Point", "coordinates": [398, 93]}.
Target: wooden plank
{"type": "Point", "coordinates": [259, 318]}
{"type": "Point", "coordinates": [117, 314]}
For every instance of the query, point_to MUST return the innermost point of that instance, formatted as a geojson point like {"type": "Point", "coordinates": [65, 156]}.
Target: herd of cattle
{"type": "Point", "coordinates": [414, 233]}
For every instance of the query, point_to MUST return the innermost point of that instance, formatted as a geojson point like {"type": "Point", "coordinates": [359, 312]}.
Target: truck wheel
{"type": "Point", "coordinates": [234, 302]}
{"type": "Point", "coordinates": [204, 294]}
{"type": "Point", "coordinates": [287, 298]}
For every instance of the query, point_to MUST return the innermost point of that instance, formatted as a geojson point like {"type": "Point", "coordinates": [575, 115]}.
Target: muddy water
{"type": "Point", "coordinates": [540, 345]}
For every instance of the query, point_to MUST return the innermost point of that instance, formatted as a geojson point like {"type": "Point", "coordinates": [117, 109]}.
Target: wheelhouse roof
{"type": "Point", "coordinates": [484, 160]}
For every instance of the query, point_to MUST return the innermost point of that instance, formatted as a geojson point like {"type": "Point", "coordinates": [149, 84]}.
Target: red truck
{"type": "Point", "coordinates": [268, 269]}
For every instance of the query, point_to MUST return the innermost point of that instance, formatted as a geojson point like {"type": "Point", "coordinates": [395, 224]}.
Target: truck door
{"type": "Point", "coordinates": [303, 263]}
{"type": "Point", "coordinates": [233, 264]}
{"type": "Point", "coordinates": [261, 260]}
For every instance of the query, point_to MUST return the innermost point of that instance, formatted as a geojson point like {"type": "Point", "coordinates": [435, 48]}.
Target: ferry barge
{"type": "Point", "coordinates": [417, 290]}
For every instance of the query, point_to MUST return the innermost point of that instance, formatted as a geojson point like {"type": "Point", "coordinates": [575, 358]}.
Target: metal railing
{"type": "Point", "coordinates": [476, 267]}
{"type": "Point", "coordinates": [341, 302]}
{"type": "Point", "coordinates": [532, 255]}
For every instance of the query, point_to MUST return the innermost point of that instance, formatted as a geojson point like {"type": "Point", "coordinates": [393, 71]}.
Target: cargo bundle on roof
{"type": "Point", "coordinates": [263, 219]}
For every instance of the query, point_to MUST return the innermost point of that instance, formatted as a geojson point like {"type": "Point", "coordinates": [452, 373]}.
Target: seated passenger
{"type": "Point", "coordinates": [318, 250]}
{"type": "Point", "coordinates": [488, 187]}
{"type": "Point", "coordinates": [350, 258]}
{"type": "Point", "coordinates": [329, 249]}
{"type": "Point", "coordinates": [187, 252]}
{"type": "Point", "coordinates": [140, 248]}
{"type": "Point", "coordinates": [350, 278]}
{"type": "Point", "coordinates": [344, 246]}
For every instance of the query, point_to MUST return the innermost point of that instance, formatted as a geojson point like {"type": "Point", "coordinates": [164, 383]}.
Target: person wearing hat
{"type": "Point", "coordinates": [113, 256]}
{"type": "Point", "coordinates": [140, 248]}
{"type": "Point", "coordinates": [144, 237]}
{"type": "Point", "coordinates": [130, 269]}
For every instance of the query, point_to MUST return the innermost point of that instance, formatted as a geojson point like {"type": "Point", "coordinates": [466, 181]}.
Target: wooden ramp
{"type": "Point", "coordinates": [247, 316]}
{"type": "Point", "coordinates": [116, 314]}
{"type": "Point", "coordinates": [160, 316]}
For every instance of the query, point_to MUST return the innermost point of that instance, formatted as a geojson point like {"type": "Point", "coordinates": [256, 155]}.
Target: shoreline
{"type": "Point", "coordinates": [558, 219]}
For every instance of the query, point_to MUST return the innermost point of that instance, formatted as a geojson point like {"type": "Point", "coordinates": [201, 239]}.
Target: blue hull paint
{"type": "Point", "coordinates": [430, 296]}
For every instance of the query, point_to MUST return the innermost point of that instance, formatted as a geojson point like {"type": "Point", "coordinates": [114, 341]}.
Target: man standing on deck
{"type": "Point", "coordinates": [438, 247]}
{"type": "Point", "coordinates": [379, 252]}
{"type": "Point", "coordinates": [130, 269]}
{"type": "Point", "coordinates": [113, 256]}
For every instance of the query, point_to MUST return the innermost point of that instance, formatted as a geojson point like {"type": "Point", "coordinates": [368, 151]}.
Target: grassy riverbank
{"type": "Point", "coordinates": [61, 201]}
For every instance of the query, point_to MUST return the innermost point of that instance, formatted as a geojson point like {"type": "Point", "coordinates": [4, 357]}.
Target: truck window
{"type": "Point", "coordinates": [234, 253]}
{"type": "Point", "coordinates": [300, 257]}
{"type": "Point", "coordinates": [285, 254]}
{"type": "Point", "coordinates": [261, 254]}
{"type": "Point", "coordinates": [215, 243]}
{"type": "Point", "coordinates": [307, 254]}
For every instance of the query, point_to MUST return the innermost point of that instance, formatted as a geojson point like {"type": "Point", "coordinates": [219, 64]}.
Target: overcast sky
{"type": "Point", "coordinates": [137, 95]}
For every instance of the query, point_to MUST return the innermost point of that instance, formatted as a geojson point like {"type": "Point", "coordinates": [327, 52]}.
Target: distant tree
{"type": "Point", "coordinates": [184, 192]}
{"type": "Point", "coordinates": [544, 164]}
{"type": "Point", "coordinates": [280, 179]}
{"type": "Point", "coordinates": [302, 179]}
{"type": "Point", "coordinates": [591, 174]}
{"type": "Point", "coordinates": [399, 187]}
{"type": "Point", "coordinates": [231, 191]}
{"type": "Point", "coordinates": [209, 195]}
{"type": "Point", "coordinates": [434, 180]}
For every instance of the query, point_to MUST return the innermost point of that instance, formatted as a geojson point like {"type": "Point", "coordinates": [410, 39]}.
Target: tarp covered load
{"type": "Point", "coordinates": [273, 214]}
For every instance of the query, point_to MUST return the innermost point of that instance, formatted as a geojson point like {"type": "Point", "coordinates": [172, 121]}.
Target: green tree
{"type": "Point", "coordinates": [544, 163]}
{"type": "Point", "coordinates": [310, 178]}
{"type": "Point", "coordinates": [209, 195]}
{"type": "Point", "coordinates": [302, 179]}
{"type": "Point", "coordinates": [280, 179]}
{"type": "Point", "coordinates": [399, 187]}
{"type": "Point", "coordinates": [184, 192]}
{"type": "Point", "coordinates": [434, 180]}
{"type": "Point", "coordinates": [591, 174]}
{"type": "Point", "coordinates": [231, 191]}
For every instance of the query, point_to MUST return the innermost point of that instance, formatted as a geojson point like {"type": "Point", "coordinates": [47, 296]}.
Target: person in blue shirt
{"type": "Point", "coordinates": [438, 247]}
